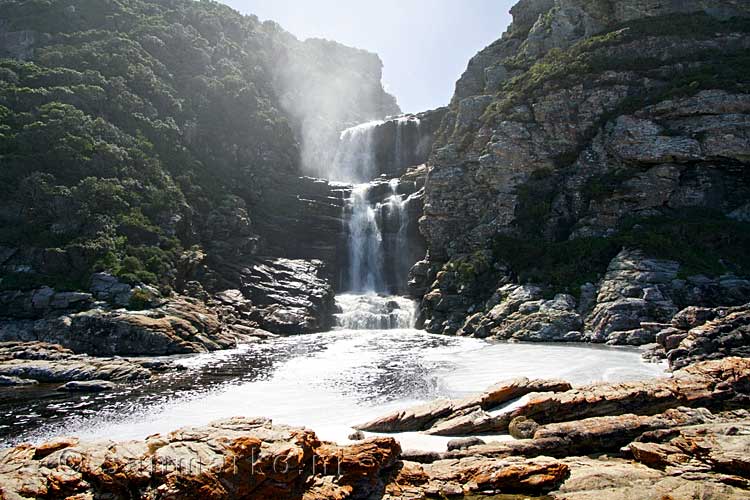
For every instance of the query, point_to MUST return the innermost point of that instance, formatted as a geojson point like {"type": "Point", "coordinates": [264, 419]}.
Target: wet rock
{"type": "Point", "coordinates": [357, 436]}
{"type": "Point", "coordinates": [87, 386]}
{"type": "Point", "coordinates": [52, 363]}
{"type": "Point", "coordinates": [289, 296]}
{"type": "Point", "coordinates": [462, 443]}
{"type": "Point", "coordinates": [424, 416]}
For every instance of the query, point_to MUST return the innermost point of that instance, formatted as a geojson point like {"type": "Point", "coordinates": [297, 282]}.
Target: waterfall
{"type": "Point", "coordinates": [374, 312]}
{"type": "Point", "coordinates": [365, 244]}
{"type": "Point", "coordinates": [399, 249]}
{"type": "Point", "coordinates": [355, 157]}
{"type": "Point", "coordinates": [376, 232]}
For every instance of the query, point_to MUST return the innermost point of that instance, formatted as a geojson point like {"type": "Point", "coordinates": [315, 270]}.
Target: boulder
{"type": "Point", "coordinates": [87, 386]}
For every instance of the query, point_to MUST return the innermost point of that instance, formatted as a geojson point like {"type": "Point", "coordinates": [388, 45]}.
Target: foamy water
{"type": "Point", "coordinates": [331, 381]}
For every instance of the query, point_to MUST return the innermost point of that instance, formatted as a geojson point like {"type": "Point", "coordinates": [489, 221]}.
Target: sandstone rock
{"type": "Point", "coordinates": [475, 475]}
{"type": "Point", "coordinates": [522, 428]}
{"type": "Point", "coordinates": [235, 458]}
{"type": "Point", "coordinates": [424, 416]}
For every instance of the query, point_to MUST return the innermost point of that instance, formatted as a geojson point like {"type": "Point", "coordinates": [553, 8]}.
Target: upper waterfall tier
{"type": "Point", "coordinates": [388, 147]}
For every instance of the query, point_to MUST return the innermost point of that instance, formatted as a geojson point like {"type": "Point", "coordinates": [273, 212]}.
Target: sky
{"type": "Point", "coordinates": [425, 45]}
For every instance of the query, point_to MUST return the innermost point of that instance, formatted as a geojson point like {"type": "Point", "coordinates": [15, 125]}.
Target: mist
{"type": "Point", "coordinates": [327, 87]}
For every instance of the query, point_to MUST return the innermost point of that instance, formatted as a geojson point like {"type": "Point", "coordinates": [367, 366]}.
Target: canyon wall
{"type": "Point", "coordinates": [590, 176]}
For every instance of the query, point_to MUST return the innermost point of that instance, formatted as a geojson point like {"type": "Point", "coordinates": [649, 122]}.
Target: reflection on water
{"type": "Point", "coordinates": [327, 382]}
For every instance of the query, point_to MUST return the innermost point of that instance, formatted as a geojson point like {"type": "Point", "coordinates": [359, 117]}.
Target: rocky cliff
{"type": "Point", "coordinates": [590, 176]}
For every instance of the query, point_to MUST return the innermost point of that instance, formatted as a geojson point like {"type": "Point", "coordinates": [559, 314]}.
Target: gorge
{"type": "Point", "coordinates": [542, 288]}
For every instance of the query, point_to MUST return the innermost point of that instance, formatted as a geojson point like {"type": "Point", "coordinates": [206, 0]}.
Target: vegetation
{"type": "Point", "coordinates": [131, 123]}
{"type": "Point", "coordinates": [703, 243]}
{"type": "Point", "coordinates": [710, 68]}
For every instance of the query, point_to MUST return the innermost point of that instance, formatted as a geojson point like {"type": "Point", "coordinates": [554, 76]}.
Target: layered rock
{"type": "Point", "coordinates": [424, 417]}
{"type": "Point", "coordinates": [713, 384]}
{"type": "Point", "coordinates": [696, 334]}
{"type": "Point", "coordinates": [49, 363]}
{"type": "Point", "coordinates": [235, 458]}
{"type": "Point", "coordinates": [559, 135]}
{"type": "Point", "coordinates": [181, 325]}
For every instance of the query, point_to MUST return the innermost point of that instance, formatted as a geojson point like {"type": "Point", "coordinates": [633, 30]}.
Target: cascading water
{"type": "Point", "coordinates": [365, 244]}
{"type": "Point", "coordinates": [367, 304]}
{"type": "Point", "coordinates": [355, 158]}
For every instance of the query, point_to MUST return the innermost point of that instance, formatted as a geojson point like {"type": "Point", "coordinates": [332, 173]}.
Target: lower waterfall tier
{"type": "Point", "coordinates": [374, 312]}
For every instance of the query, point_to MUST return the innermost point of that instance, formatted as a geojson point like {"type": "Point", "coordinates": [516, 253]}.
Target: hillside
{"type": "Point", "coordinates": [136, 135]}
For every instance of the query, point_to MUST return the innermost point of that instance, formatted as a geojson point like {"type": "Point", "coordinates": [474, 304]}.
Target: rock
{"type": "Point", "coordinates": [289, 296]}
{"type": "Point", "coordinates": [106, 287]}
{"type": "Point", "coordinates": [522, 428]}
{"type": "Point", "coordinates": [463, 443]}
{"type": "Point", "coordinates": [87, 386]}
{"type": "Point", "coordinates": [711, 384]}
{"type": "Point", "coordinates": [476, 475]}
{"type": "Point", "coordinates": [630, 295]}
{"type": "Point", "coordinates": [424, 416]}
{"type": "Point", "coordinates": [14, 381]}
{"type": "Point", "coordinates": [40, 362]}
{"type": "Point", "coordinates": [600, 143]}
{"type": "Point", "coordinates": [357, 436]}
{"type": "Point", "coordinates": [240, 457]}
{"type": "Point", "coordinates": [701, 333]}
{"type": "Point", "coordinates": [181, 325]}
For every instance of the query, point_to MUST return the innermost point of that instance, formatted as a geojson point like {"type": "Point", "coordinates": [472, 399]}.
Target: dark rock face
{"type": "Point", "coordinates": [405, 141]}
{"type": "Point", "coordinates": [557, 133]}
{"type": "Point", "coordinates": [288, 296]}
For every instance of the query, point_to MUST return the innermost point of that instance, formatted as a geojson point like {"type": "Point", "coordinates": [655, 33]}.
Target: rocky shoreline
{"type": "Point", "coordinates": [677, 437]}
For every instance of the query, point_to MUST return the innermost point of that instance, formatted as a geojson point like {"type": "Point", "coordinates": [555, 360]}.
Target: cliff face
{"type": "Point", "coordinates": [590, 127]}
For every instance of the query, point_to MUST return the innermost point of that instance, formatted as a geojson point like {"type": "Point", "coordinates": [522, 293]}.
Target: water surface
{"type": "Point", "coordinates": [327, 382]}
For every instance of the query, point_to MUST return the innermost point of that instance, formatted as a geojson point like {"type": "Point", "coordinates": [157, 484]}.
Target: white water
{"type": "Point", "coordinates": [331, 381]}
{"type": "Point", "coordinates": [374, 312]}
{"type": "Point", "coordinates": [365, 244]}
{"type": "Point", "coordinates": [355, 157]}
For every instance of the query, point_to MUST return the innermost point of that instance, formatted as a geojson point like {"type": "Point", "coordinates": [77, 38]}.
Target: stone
{"type": "Point", "coordinates": [239, 457]}
{"type": "Point", "coordinates": [87, 386]}
{"type": "Point", "coordinates": [6, 380]}
{"type": "Point", "coordinates": [39, 362]}
{"type": "Point", "coordinates": [423, 417]}
{"type": "Point", "coordinates": [522, 428]}
{"type": "Point", "coordinates": [463, 443]}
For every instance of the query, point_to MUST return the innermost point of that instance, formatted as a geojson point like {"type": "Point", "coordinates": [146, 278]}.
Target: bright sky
{"type": "Point", "coordinates": [425, 45]}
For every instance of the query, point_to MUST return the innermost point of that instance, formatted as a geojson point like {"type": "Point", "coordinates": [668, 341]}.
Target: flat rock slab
{"type": "Point", "coordinates": [88, 386]}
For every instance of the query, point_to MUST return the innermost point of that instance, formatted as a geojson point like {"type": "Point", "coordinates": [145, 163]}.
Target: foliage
{"type": "Point", "coordinates": [703, 243]}
{"type": "Point", "coordinates": [133, 116]}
